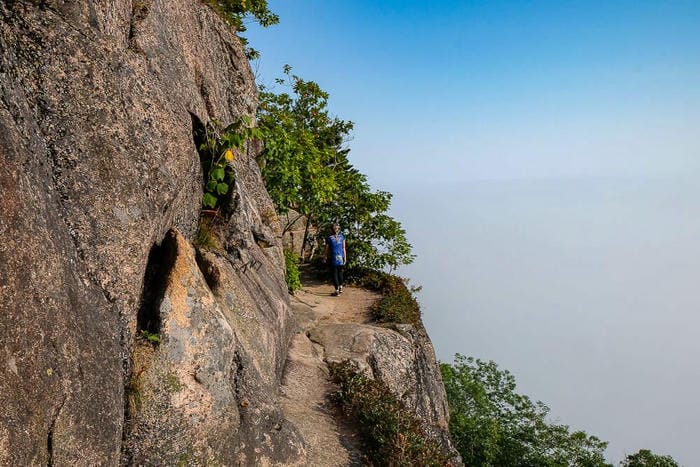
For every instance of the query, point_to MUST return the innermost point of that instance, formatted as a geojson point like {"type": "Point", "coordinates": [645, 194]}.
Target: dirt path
{"type": "Point", "coordinates": [305, 386]}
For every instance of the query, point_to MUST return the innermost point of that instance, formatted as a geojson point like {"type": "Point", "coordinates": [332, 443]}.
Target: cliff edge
{"type": "Point", "coordinates": [121, 342]}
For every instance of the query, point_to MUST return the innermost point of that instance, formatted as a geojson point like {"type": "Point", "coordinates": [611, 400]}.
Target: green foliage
{"type": "Point", "coordinates": [218, 152]}
{"type": "Point", "coordinates": [645, 458]}
{"type": "Point", "coordinates": [375, 240]}
{"type": "Point", "coordinates": [234, 12]}
{"type": "Point", "coordinates": [153, 338]}
{"type": "Point", "coordinates": [185, 458]}
{"type": "Point", "coordinates": [306, 168]}
{"type": "Point", "coordinates": [492, 425]}
{"type": "Point", "coordinates": [291, 275]}
{"type": "Point", "coordinates": [133, 394]}
{"type": "Point", "coordinates": [392, 434]}
{"type": "Point", "coordinates": [296, 162]}
{"type": "Point", "coordinates": [367, 278]}
{"type": "Point", "coordinates": [398, 304]}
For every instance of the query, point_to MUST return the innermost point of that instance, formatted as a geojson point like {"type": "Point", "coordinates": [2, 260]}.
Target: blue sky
{"type": "Point", "coordinates": [497, 90]}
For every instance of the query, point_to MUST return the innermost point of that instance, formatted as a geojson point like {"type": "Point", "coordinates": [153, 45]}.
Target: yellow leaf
{"type": "Point", "coordinates": [229, 155]}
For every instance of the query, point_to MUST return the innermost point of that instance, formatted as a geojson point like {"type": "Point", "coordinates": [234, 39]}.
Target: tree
{"type": "Point", "coordinates": [645, 458]}
{"type": "Point", "coordinates": [306, 168]}
{"type": "Point", "coordinates": [375, 239]}
{"type": "Point", "coordinates": [492, 425]}
{"type": "Point", "coordinates": [301, 142]}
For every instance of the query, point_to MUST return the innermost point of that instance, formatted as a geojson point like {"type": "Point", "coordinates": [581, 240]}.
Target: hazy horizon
{"type": "Point", "coordinates": [583, 288]}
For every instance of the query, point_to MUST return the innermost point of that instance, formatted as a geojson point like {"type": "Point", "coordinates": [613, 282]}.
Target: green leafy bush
{"type": "Point", "coordinates": [291, 275]}
{"type": "Point", "coordinates": [397, 304]}
{"type": "Point", "coordinates": [392, 435]}
{"type": "Point", "coordinates": [367, 278]}
{"type": "Point", "coordinates": [206, 235]}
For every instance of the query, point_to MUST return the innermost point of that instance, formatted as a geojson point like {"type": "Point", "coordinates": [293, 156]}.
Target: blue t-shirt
{"type": "Point", "coordinates": [336, 246]}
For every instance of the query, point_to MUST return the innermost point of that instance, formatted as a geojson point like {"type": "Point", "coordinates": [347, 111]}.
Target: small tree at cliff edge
{"type": "Point", "coordinates": [305, 166]}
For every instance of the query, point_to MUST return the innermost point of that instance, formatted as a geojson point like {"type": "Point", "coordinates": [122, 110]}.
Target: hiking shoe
{"type": "Point", "coordinates": [340, 290]}
{"type": "Point", "coordinates": [336, 293]}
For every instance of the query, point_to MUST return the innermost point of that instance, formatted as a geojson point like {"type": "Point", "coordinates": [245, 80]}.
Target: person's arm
{"type": "Point", "coordinates": [345, 253]}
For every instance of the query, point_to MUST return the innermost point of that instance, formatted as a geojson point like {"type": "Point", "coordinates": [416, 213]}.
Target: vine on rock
{"type": "Point", "coordinates": [218, 152]}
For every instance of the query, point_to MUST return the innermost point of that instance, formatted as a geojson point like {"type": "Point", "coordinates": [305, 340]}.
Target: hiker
{"type": "Point", "coordinates": [335, 252]}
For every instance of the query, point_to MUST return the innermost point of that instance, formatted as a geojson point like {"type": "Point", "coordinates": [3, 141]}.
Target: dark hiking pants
{"type": "Point", "coordinates": [337, 274]}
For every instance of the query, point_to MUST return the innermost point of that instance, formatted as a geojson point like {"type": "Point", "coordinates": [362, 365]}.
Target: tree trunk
{"type": "Point", "coordinates": [306, 237]}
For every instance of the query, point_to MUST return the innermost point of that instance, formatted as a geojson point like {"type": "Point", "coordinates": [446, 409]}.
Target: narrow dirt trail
{"type": "Point", "coordinates": [306, 388]}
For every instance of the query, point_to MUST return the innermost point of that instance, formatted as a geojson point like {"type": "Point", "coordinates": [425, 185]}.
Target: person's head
{"type": "Point", "coordinates": [335, 228]}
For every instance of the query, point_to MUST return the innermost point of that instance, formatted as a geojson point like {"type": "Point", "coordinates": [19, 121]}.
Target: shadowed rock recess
{"type": "Point", "coordinates": [120, 342]}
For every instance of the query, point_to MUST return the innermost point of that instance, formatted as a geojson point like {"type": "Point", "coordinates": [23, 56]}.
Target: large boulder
{"type": "Point", "coordinates": [202, 391]}
{"type": "Point", "coordinates": [403, 358]}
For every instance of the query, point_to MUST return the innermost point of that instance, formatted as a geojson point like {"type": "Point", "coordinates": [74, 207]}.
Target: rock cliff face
{"type": "Point", "coordinates": [100, 189]}
{"type": "Point", "coordinates": [97, 110]}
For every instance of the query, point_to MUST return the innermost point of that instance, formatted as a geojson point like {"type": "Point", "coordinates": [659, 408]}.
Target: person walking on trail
{"type": "Point", "coordinates": [336, 257]}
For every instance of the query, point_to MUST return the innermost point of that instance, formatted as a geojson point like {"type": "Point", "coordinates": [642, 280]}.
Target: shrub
{"type": "Point", "coordinates": [646, 458]}
{"type": "Point", "coordinates": [366, 278]}
{"type": "Point", "coordinates": [291, 275]}
{"type": "Point", "coordinates": [151, 337]}
{"type": "Point", "coordinates": [392, 434]}
{"type": "Point", "coordinates": [397, 305]}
